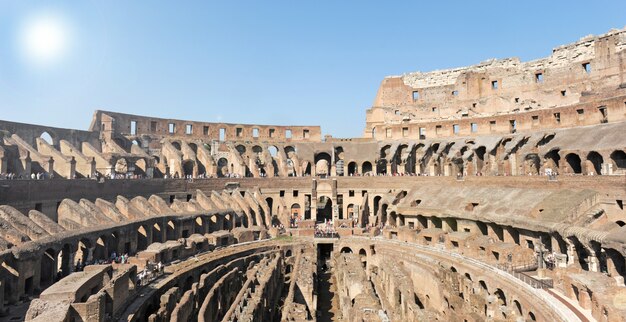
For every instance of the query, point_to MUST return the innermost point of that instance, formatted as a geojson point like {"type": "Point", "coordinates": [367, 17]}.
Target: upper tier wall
{"type": "Point", "coordinates": [589, 70]}
{"type": "Point", "coordinates": [112, 124]}
{"type": "Point", "coordinates": [29, 132]}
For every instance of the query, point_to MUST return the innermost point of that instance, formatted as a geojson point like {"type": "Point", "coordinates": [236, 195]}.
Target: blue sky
{"type": "Point", "coordinates": [265, 62]}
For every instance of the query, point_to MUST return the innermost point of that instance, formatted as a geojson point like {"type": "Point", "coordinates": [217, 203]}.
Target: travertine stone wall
{"type": "Point", "coordinates": [585, 75]}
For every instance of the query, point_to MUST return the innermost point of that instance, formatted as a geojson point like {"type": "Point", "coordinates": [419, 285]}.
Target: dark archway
{"type": "Point", "coordinates": [377, 204]}
{"type": "Point", "coordinates": [574, 162]}
{"type": "Point", "coordinates": [367, 168]}
{"type": "Point", "coordinates": [188, 166]}
{"type": "Point", "coordinates": [324, 209]}
{"type": "Point", "coordinates": [270, 204]}
{"type": "Point", "coordinates": [48, 267]}
{"type": "Point", "coordinates": [596, 160]}
{"type": "Point", "coordinates": [352, 170]}
{"type": "Point", "coordinates": [554, 157]}
{"type": "Point", "coordinates": [157, 234]}
{"type": "Point", "coordinates": [619, 159]}
{"type": "Point", "coordinates": [142, 238]}
{"type": "Point", "coordinates": [222, 167]}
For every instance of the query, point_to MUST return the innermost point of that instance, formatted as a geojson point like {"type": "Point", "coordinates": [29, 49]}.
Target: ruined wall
{"type": "Point", "coordinates": [114, 124]}
{"type": "Point", "coordinates": [584, 75]}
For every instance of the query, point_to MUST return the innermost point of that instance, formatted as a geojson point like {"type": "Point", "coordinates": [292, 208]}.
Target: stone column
{"type": "Point", "coordinates": [314, 199]}
{"type": "Point", "coordinates": [572, 258]}
{"type": "Point", "coordinates": [592, 259]}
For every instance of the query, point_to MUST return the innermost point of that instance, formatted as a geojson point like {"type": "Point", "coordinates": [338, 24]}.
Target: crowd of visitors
{"type": "Point", "coordinates": [326, 230]}
{"type": "Point", "coordinates": [551, 174]}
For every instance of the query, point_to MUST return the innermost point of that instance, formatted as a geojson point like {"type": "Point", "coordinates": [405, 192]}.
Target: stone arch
{"type": "Point", "coordinates": [366, 168]}
{"type": "Point", "coordinates": [63, 260]}
{"type": "Point", "coordinates": [363, 257]}
{"type": "Point", "coordinates": [325, 213]}
{"type": "Point", "coordinates": [596, 161]}
{"type": "Point", "coordinates": [228, 221]}
{"type": "Point", "coordinates": [199, 225]}
{"type": "Point", "coordinates": [48, 138]}
{"type": "Point", "coordinates": [142, 238]}
{"type": "Point", "coordinates": [100, 251]}
{"type": "Point", "coordinates": [177, 145]}
{"type": "Point", "coordinates": [532, 164]}
{"type": "Point", "coordinates": [194, 147]}
{"type": "Point", "coordinates": [393, 219]}
{"type": "Point", "coordinates": [615, 263]}
{"type": "Point", "coordinates": [188, 167]}
{"type": "Point", "coordinates": [618, 157]}
{"type": "Point", "coordinates": [483, 286]}
{"type": "Point", "coordinates": [83, 252]}
{"type": "Point", "coordinates": [270, 204]}
{"type": "Point", "coordinates": [352, 168]}
{"type": "Point", "coordinates": [574, 162]}
{"type": "Point", "coordinates": [377, 204]}
{"type": "Point", "coordinates": [170, 230]}
{"type": "Point", "coordinates": [480, 158]}
{"type": "Point", "coordinates": [273, 150]}
{"type": "Point", "coordinates": [295, 211]}
{"type": "Point", "coordinates": [383, 214]}
{"type": "Point", "coordinates": [500, 296]}
{"type": "Point", "coordinates": [241, 149]}
{"type": "Point", "coordinates": [518, 308]}
{"type": "Point", "coordinates": [48, 267]}
{"type": "Point", "coordinates": [322, 164]}
{"type": "Point", "coordinates": [349, 212]}
{"type": "Point", "coordinates": [222, 167]}
{"type": "Point", "coordinates": [121, 166]}
{"type": "Point", "coordinates": [397, 158]}
{"type": "Point", "coordinates": [552, 159]}
{"type": "Point", "coordinates": [346, 250]}
{"type": "Point", "coordinates": [157, 233]}
{"type": "Point", "coordinates": [290, 151]}
{"type": "Point", "coordinates": [340, 161]}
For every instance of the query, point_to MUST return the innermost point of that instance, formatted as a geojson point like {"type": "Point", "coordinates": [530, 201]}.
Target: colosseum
{"type": "Point", "coordinates": [493, 192]}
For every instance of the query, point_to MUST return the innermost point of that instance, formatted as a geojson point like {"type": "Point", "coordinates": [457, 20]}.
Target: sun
{"type": "Point", "coordinates": [44, 38]}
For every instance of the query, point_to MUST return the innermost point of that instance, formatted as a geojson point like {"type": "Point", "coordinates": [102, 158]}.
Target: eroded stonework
{"type": "Point", "coordinates": [491, 192]}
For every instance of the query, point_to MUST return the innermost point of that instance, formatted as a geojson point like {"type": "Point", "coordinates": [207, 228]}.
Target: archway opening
{"type": "Point", "coordinates": [157, 235]}
{"type": "Point", "coordinates": [47, 138]}
{"type": "Point", "coordinates": [596, 161]}
{"type": "Point", "coordinates": [171, 230]}
{"type": "Point", "coordinates": [573, 160]}
{"type": "Point", "coordinates": [322, 164]}
{"type": "Point", "coordinates": [324, 209]}
{"type": "Point", "coordinates": [188, 166]}
{"type": "Point", "coordinates": [619, 159]}
{"type": "Point", "coordinates": [367, 168]}
{"type": "Point", "coordinates": [48, 267]}
{"type": "Point", "coordinates": [222, 168]}
{"type": "Point", "coordinates": [352, 168]}
{"type": "Point", "coordinates": [100, 251]}
{"type": "Point", "coordinates": [142, 238]}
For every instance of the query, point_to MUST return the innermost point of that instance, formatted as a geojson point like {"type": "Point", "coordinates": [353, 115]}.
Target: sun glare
{"type": "Point", "coordinates": [44, 39]}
